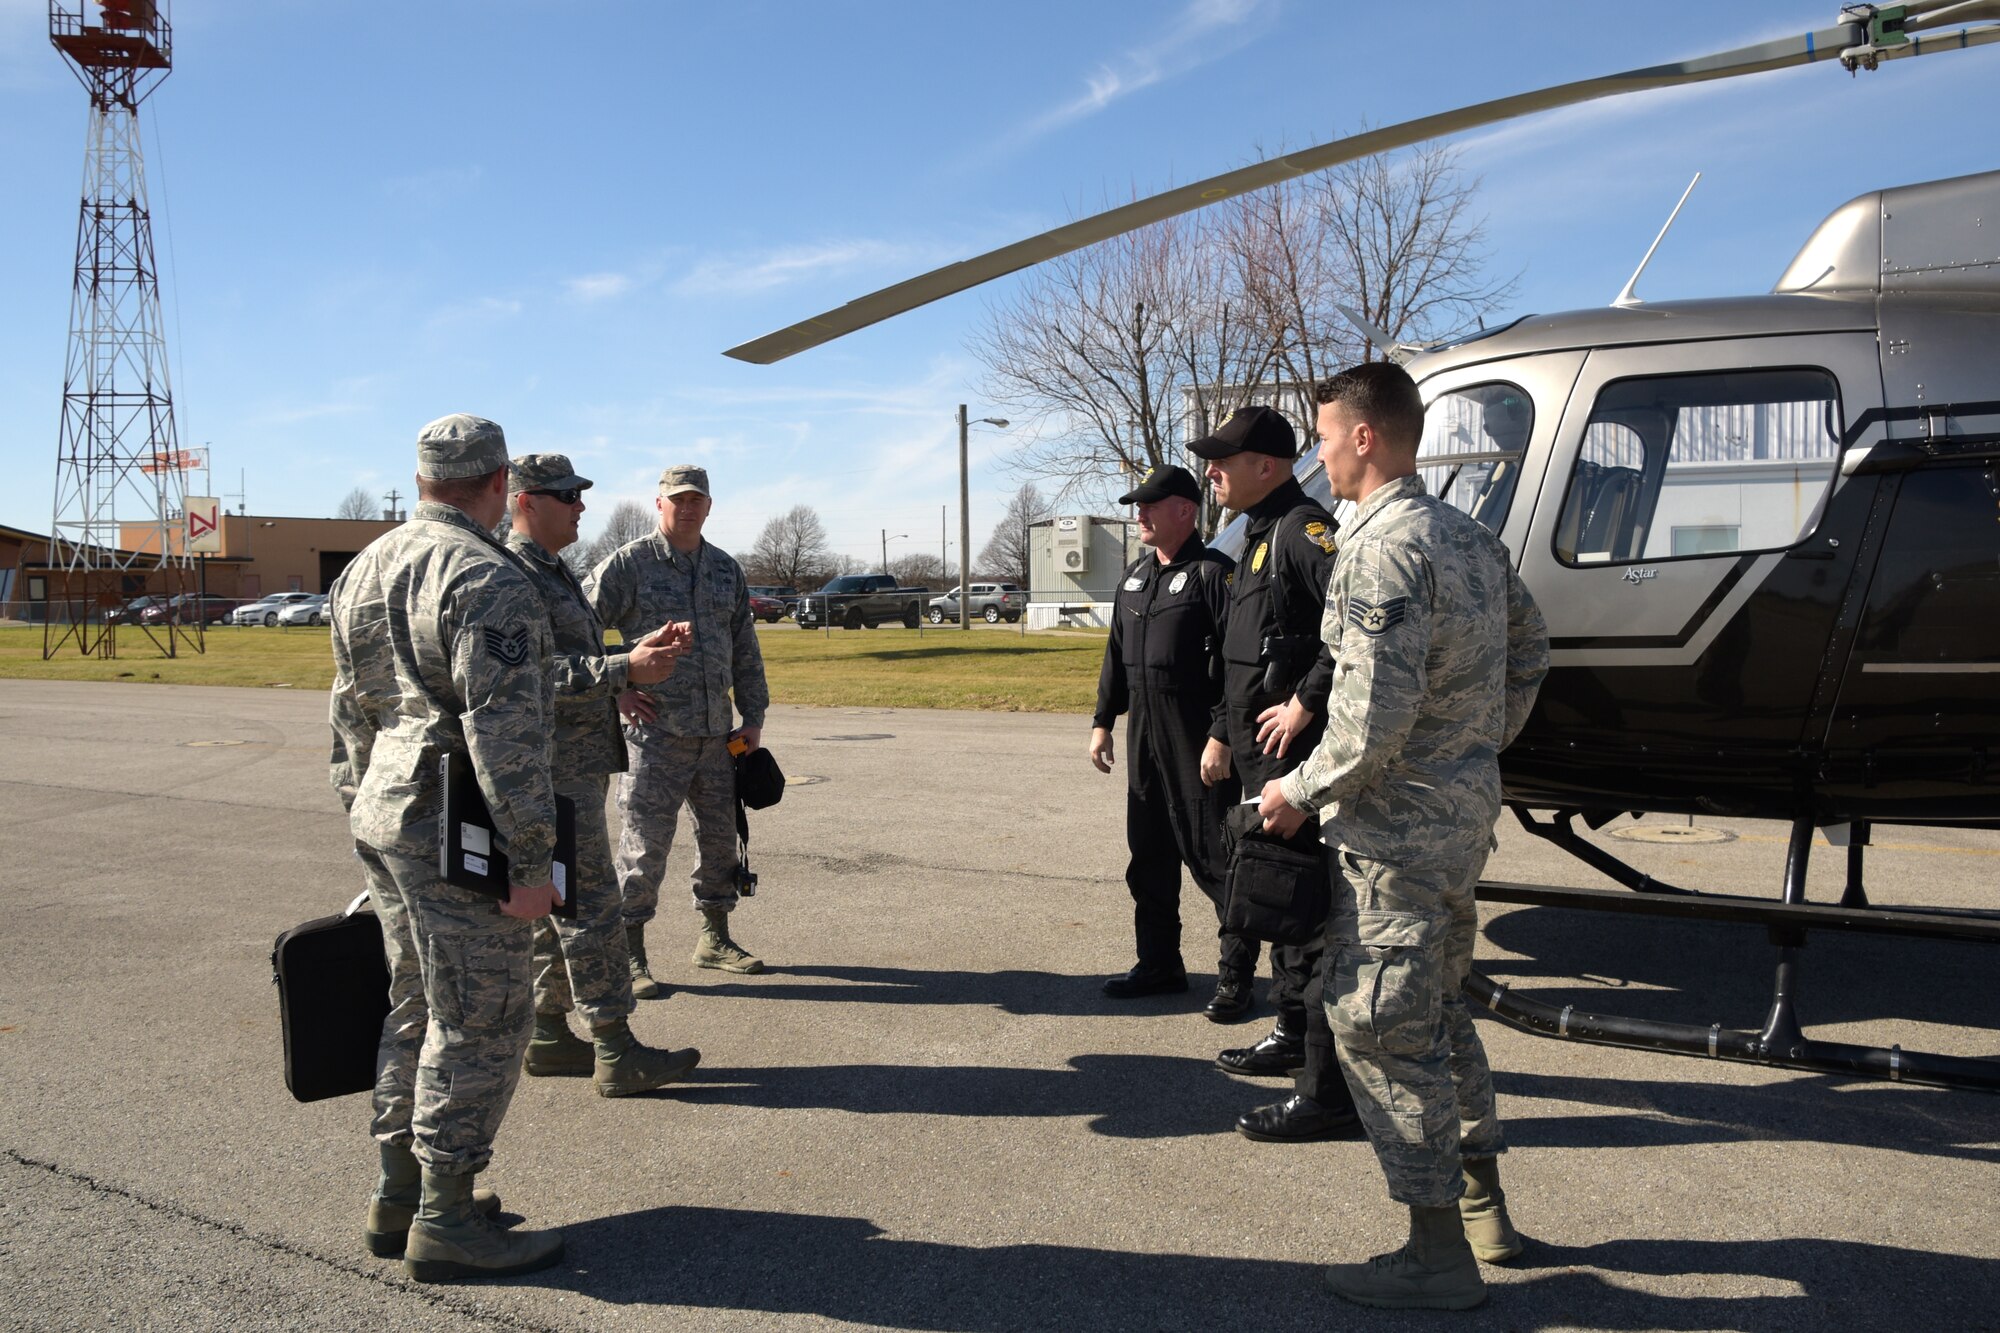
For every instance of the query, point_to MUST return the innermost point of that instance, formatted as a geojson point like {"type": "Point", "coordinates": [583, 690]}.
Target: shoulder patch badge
{"type": "Point", "coordinates": [509, 648]}
{"type": "Point", "coordinates": [1317, 534]}
{"type": "Point", "coordinates": [1180, 581]}
{"type": "Point", "coordinates": [1257, 559]}
{"type": "Point", "coordinates": [1134, 583]}
{"type": "Point", "coordinates": [1374, 619]}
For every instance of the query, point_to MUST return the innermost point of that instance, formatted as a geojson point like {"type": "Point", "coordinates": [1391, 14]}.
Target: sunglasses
{"type": "Point", "coordinates": [568, 497]}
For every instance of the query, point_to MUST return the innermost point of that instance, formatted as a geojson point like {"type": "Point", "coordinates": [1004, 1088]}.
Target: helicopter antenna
{"type": "Point", "coordinates": [1378, 337]}
{"type": "Point", "coordinates": [1626, 297]}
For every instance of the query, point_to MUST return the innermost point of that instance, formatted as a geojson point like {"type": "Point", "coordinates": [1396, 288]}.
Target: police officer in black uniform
{"type": "Point", "coordinates": [1277, 675]}
{"type": "Point", "coordinates": [1163, 665]}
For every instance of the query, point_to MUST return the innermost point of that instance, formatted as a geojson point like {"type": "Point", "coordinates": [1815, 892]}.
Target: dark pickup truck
{"type": "Point", "coordinates": [856, 600]}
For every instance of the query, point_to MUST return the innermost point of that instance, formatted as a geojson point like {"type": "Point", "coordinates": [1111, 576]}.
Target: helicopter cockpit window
{"type": "Point", "coordinates": [1470, 455]}
{"type": "Point", "coordinates": [1694, 465]}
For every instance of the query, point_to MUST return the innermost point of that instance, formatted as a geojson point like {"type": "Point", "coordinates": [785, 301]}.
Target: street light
{"type": "Point", "coordinates": [965, 518]}
{"type": "Point", "coordinates": [886, 539]}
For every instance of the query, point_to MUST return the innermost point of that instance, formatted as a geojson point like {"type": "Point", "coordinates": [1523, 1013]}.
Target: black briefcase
{"type": "Point", "coordinates": [1278, 889]}
{"type": "Point", "coordinates": [333, 995]}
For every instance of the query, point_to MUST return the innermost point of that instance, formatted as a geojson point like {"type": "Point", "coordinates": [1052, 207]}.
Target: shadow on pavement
{"type": "Point", "coordinates": [1048, 994]}
{"type": "Point", "coordinates": [847, 1269]}
{"type": "Point", "coordinates": [1125, 1096]}
{"type": "Point", "coordinates": [1708, 972]}
{"type": "Point", "coordinates": [1929, 1122]}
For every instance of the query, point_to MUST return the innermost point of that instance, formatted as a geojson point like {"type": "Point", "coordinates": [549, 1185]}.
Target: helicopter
{"type": "Point", "coordinates": [1761, 529]}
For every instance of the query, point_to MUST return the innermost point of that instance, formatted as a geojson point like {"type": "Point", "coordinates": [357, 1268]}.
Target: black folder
{"type": "Point", "coordinates": [469, 854]}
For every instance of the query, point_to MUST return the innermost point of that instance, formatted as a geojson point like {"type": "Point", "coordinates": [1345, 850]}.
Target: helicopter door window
{"type": "Point", "coordinates": [1693, 465]}
{"type": "Point", "coordinates": [1470, 455]}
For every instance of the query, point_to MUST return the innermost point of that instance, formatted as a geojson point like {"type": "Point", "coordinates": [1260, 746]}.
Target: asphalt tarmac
{"type": "Point", "coordinates": [925, 1115]}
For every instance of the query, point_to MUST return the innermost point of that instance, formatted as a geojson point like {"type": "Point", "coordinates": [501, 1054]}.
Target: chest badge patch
{"type": "Point", "coordinates": [509, 648]}
{"type": "Point", "coordinates": [1257, 559]}
{"type": "Point", "coordinates": [1180, 581]}
{"type": "Point", "coordinates": [1317, 534]}
{"type": "Point", "coordinates": [1375, 619]}
{"type": "Point", "coordinates": [1134, 583]}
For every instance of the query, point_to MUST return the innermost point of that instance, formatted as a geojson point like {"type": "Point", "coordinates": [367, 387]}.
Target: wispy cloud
{"type": "Point", "coordinates": [433, 189]}
{"type": "Point", "coordinates": [598, 286]}
{"type": "Point", "coordinates": [1203, 31]}
{"type": "Point", "coordinates": [479, 312]}
{"type": "Point", "coordinates": [737, 275]}
{"type": "Point", "coordinates": [344, 398]}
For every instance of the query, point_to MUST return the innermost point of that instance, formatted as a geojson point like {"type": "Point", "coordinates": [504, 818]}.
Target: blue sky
{"type": "Point", "coordinates": [558, 214]}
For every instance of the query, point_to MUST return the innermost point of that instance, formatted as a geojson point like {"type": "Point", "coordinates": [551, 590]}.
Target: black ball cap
{"type": "Point", "coordinates": [1250, 430]}
{"type": "Point", "coordinates": [1163, 483]}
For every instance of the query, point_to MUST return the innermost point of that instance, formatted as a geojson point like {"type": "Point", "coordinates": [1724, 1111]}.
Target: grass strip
{"type": "Point", "coordinates": [986, 670]}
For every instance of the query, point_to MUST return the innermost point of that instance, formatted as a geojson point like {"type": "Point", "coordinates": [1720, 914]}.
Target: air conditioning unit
{"type": "Point", "coordinates": [1072, 545]}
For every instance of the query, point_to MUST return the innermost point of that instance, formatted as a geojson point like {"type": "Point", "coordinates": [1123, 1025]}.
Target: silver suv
{"type": "Point", "coordinates": [991, 602]}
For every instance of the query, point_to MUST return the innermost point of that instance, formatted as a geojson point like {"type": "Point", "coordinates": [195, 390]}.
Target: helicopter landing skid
{"type": "Point", "coordinates": [1781, 1042]}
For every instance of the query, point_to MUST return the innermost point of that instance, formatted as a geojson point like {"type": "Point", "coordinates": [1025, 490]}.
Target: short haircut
{"type": "Point", "coordinates": [1382, 394]}
{"type": "Point", "coordinates": [457, 492]}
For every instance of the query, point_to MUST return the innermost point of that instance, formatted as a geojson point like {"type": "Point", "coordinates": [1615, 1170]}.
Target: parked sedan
{"type": "Point", "coordinates": [311, 611]}
{"type": "Point", "coordinates": [132, 611]}
{"type": "Point", "coordinates": [185, 608]}
{"type": "Point", "coordinates": [789, 596]}
{"type": "Point", "coordinates": [767, 609]}
{"type": "Point", "coordinates": [265, 612]}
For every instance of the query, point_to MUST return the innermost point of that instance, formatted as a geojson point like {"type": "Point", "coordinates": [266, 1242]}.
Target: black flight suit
{"type": "Point", "coordinates": [1162, 665]}
{"type": "Point", "coordinates": [1280, 589]}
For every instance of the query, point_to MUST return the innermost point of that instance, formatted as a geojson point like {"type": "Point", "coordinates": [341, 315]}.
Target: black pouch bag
{"type": "Point", "coordinates": [333, 995]}
{"type": "Point", "coordinates": [1278, 888]}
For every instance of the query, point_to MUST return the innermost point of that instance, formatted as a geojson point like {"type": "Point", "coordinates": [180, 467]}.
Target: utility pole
{"type": "Point", "coordinates": [395, 515]}
{"type": "Point", "coordinates": [964, 528]}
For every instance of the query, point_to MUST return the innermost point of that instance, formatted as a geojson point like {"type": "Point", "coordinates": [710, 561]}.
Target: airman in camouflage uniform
{"type": "Point", "coordinates": [677, 732]}
{"type": "Point", "coordinates": [440, 646]}
{"type": "Point", "coordinates": [580, 961]}
{"type": "Point", "coordinates": [1439, 650]}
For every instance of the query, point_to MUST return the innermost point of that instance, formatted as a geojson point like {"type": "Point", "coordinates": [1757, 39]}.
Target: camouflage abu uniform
{"type": "Point", "coordinates": [580, 963]}
{"type": "Point", "coordinates": [1439, 650]}
{"type": "Point", "coordinates": [682, 756]}
{"type": "Point", "coordinates": [440, 645]}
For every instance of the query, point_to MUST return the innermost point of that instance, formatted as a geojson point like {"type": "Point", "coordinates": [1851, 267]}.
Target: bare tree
{"type": "Point", "coordinates": [1097, 346]}
{"type": "Point", "coordinates": [358, 503]}
{"type": "Point", "coordinates": [1006, 553]}
{"type": "Point", "coordinates": [1412, 252]}
{"type": "Point", "coordinates": [626, 523]}
{"type": "Point", "coordinates": [1121, 352]}
{"type": "Point", "coordinates": [923, 569]}
{"type": "Point", "coordinates": [792, 550]}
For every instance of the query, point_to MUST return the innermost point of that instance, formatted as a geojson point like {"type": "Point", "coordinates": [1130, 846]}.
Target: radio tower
{"type": "Point", "coordinates": [118, 447]}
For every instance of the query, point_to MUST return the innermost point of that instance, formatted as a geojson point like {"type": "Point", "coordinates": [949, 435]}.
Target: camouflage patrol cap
{"type": "Point", "coordinates": [543, 472]}
{"type": "Point", "coordinates": [460, 446]}
{"type": "Point", "coordinates": [683, 477]}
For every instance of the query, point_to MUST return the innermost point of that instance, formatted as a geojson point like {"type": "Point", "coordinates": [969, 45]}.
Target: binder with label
{"type": "Point", "coordinates": [469, 854]}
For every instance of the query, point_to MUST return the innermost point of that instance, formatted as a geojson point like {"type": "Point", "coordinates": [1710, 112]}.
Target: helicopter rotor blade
{"type": "Point", "coordinates": [1861, 40]}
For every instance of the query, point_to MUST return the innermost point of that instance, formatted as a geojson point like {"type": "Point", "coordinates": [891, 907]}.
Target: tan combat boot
{"type": "Point", "coordinates": [397, 1193]}
{"type": "Point", "coordinates": [643, 985]}
{"type": "Point", "coordinates": [716, 949]}
{"type": "Point", "coordinates": [555, 1051]}
{"type": "Point", "coordinates": [624, 1066]}
{"type": "Point", "coordinates": [450, 1238]}
{"type": "Point", "coordinates": [1483, 1208]}
{"type": "Point", "coordinates": [1434, 1270]}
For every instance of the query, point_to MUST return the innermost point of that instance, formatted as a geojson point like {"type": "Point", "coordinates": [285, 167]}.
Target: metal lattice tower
{"type": "Point", "coordinates": [119, 484]}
